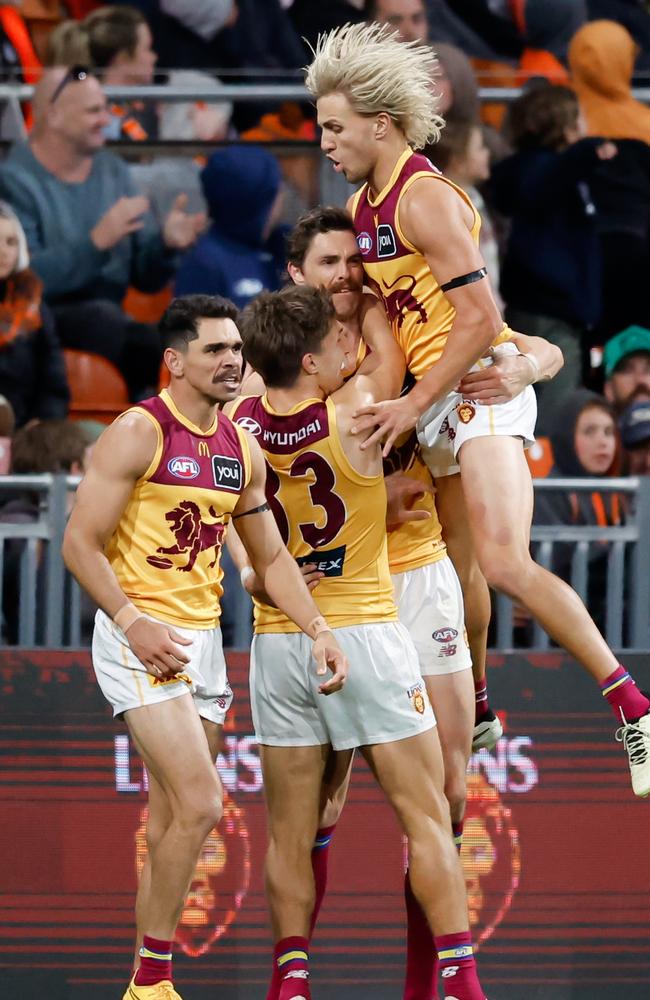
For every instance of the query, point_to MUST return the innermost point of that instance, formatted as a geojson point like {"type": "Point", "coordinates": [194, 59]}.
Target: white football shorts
{"type": "Point", "coordinates": [126, 684]}
{"type": "Point", "coordinates": [430, 604]}
{"type": "Point", "coordinates": [384, 698]}
{"type": "Point", "coordinates": [445, 426]}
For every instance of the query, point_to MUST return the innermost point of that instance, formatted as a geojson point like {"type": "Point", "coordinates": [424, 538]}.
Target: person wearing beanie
{"type": "Point", "coordinates": [242, 251]}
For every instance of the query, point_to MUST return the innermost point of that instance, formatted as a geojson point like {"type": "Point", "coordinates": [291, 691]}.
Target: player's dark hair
{"type": "Point", "coordinates": [279, 328]}
{"type": "Point", "coordinates": [324, 219]}
{"type": "Point", "coordinates": [370, 10]}
{"type": "Point", "coordinates": [538, 119]}
{"type": "Point", "coordinates": [180, 321]}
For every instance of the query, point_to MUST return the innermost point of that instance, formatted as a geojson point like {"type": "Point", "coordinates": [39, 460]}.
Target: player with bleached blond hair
{"type": "Point", "coordinates": [418, 234]}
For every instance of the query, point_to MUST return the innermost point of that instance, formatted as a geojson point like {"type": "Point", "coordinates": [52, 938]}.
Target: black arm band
{"type": "Point", "coordinates": [254, 510]}
{"type": "Point", "coordinates": [464, 279]}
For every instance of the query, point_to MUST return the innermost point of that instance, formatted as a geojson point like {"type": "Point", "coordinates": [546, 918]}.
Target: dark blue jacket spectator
{"type": "Point", "coordinates": [552, 261]}
{"type": "Point", "coordinates": [241, 253]}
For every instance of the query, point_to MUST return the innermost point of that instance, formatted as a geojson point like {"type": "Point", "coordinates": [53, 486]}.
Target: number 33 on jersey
{"type": "Point", "coordinates": [326, 511]}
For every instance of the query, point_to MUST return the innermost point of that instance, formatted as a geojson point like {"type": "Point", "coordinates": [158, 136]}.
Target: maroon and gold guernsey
{"type": "Point", "coordinates": [414, 543]}
{"type": "Point", "coordinates": [165, 551]}
{"type": "Point", "coordinates": [420, 313]}
{"type": "Point", "coordinates": [327, 512]}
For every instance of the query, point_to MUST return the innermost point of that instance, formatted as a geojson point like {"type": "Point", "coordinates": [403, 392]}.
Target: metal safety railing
{"type": "Point", "coordinates": [244, 92]}
{"type": "Point", "coordinates": [42, 605]}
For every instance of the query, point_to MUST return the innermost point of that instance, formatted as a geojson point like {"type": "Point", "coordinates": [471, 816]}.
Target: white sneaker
{"type": "Point", "coordinates": [487, 732]}
{"type": "Point", "coordinates": [635, 737]}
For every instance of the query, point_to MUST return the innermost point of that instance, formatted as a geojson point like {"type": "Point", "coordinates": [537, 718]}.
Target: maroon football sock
{"type": "Point", "coordinates": [421, 957]}
{"type": "Point", "coordinates": [292, 959]}
{"type": "Point", "coordinates": [623, 695]}
{"type": "Point", "coordinates": [481, 696]}
{"type": "Point", "coordinates": [155, 961]}
{"type": "Point", "coordinates": [319, 863]}
{"type": "Point", "coordinates": [458, 968]}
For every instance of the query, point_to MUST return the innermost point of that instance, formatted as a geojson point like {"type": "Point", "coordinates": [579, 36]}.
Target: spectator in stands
{"type": "Point", "coordinates": [310, 19]}
{"type": "Point", "coordinates": [626, 360]}
{"type": "Point", "coordinates": [456, 84]}
{"type": "Point", "coordinates": [635, 437]}
{"type": "Point", "coordinates": [7, 428]}
{"type": "Point", "coordinates": [602, 57]}
{"type": "Point", "coordinates": [633, 15]}
{"type": "Point", "coordinates": [32, 369]}
{"type": "Point", "coordinates": [462, 156]}
{"type": "Point", "coordinates": [45, 446]}
{"type": "Point", "coordinates": [408, 16]}
{"type": "Point", "coordinates": [89, 235]}
{"type": "Point", "coordinates": [584, 438]}
{"type": "Point", "coordinates": [551, 268]}
{"type": "Point", "coordinates": [116, 42]}
{"type": "Point", "coordinates": [533, 34]}
{"type": "Point", "coordinates": [242, 253]}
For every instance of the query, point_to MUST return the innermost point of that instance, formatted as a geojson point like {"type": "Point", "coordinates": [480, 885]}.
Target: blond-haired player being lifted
{"type": "Point", "coordinates": [419, 236]}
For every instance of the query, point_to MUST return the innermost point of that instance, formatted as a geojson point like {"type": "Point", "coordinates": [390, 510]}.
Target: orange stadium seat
{"type": "Point", "coordinates": [540, 458]}
{"type": "Point", "coordinates": [146, 307]}
{"type": "Point", "coordinates": [97, 389]}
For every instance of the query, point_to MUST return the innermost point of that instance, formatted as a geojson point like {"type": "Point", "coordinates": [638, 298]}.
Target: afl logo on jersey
{"type": "Point", "coordinates": [386, 242]}
{"type": "Point", "coordinates": [250, 425]}
{"type": "Point", "coordinates": [184, 467]}
{"type": "Point", "coordinates": [365, 243]}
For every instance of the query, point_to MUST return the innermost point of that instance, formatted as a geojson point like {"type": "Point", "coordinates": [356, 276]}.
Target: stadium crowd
{"type": "Point", "coordinates": [94, 245]}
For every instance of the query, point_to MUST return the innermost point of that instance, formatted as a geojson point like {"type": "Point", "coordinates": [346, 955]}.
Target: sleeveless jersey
{"type": "Point", "coordinates": [327, 512]}
{"type": "Point", "coordinates": [166, 548]}
{"type": "Point", "coordinates": [420, 313]}
{"type": "Point", "coordinates": [414, 543]}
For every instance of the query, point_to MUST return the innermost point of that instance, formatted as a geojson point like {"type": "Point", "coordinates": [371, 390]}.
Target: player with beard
{"type": "Point", "coordinates": [322, 251]}
{"type": "Point", "coordinates": [329, 499]}
{"type": "Point", "coordinates": [144, 540]}
{"type": "Point", "coordinates": [375, 107]}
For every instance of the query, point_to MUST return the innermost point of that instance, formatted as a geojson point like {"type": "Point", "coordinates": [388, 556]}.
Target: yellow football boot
{"type": "Point", "coordinates": [163, 990]}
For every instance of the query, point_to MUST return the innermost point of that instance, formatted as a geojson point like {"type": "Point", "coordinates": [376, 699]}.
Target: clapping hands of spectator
{"type": "Point", "coordinates": [121, 219]}
{"type": "Point", "coordinates": [182, 228]}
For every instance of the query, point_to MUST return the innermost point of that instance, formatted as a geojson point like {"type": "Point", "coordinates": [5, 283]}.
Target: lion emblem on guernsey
{"type": "Point", "coordinates": [402, 300]}
{"type": "Point", "coordinates": [192, 534]}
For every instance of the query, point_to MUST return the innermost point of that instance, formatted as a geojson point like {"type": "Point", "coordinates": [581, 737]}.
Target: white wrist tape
{"type": "Point", "coordinates": [126, 616]}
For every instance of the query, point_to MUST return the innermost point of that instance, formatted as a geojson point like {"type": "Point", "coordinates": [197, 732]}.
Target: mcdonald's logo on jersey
{"type": "Point", "coordinates": [203, 449]}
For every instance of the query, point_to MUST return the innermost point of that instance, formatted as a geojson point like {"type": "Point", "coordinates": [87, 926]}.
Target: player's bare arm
{"type": "Point", "coordinates": [537, 361]}
{"type": "Point", "coordinates": [121, 456]}
{"type": "Point", "coordinates": [280, 574]}
{"type": "Point", "coordinates": [384, 364]}
{"type": "Point", "coordinates": [436, 220]}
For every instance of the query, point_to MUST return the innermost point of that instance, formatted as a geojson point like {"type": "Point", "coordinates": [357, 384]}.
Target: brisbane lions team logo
{"type": "Point", "coordinates": [402, 300]}
{"type": "Point", "coordinates": [192, 534]}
